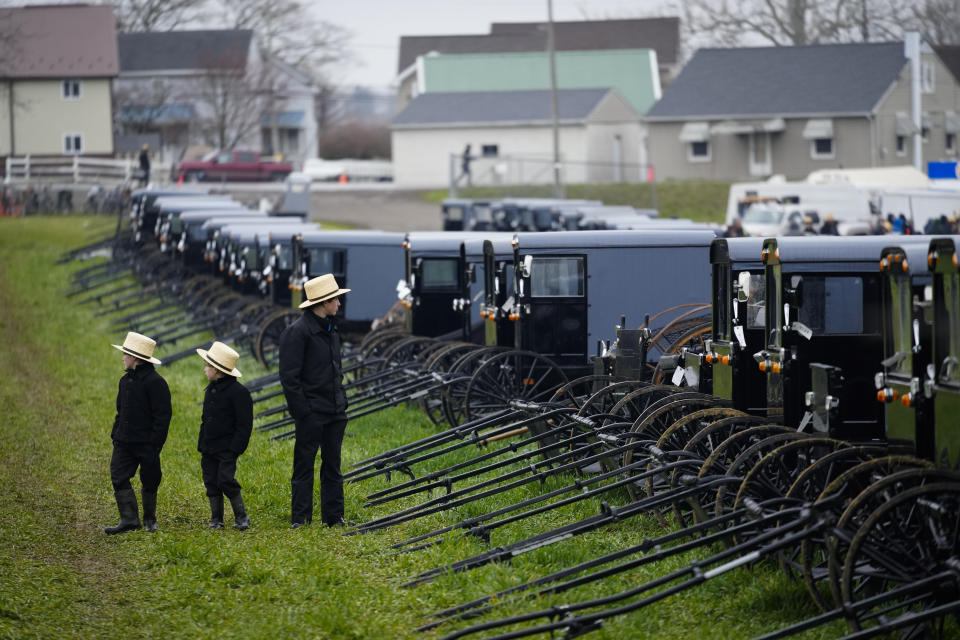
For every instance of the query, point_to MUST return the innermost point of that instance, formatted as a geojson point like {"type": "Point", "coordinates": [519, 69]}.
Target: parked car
{"type": "Point", "coordinates": [348, 169]}
{"type": "Point", "coordinates": [236, 166]}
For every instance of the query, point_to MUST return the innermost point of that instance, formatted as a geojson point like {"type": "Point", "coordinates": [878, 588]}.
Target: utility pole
{"type": "Point", "coordinates": [557, 185]}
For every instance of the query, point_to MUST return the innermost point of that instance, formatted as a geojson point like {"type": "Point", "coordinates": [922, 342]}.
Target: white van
{"type": "Point", "coordinates": [919, 205]}
{"type": "Point", "coordinates": [788, 201]}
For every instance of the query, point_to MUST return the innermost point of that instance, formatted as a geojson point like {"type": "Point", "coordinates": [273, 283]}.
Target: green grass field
{"type": "Point", "coordinates": [61, 577]}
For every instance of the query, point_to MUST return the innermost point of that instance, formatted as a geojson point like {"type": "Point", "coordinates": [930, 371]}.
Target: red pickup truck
{"type": "Point", "coordinates": [234, 166]}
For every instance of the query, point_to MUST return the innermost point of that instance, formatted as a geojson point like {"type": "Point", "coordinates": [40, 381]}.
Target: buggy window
{"type": "Point", "coordinates": [756, 297]}
{"type": "Point", "coordinates": [833, 305]}
{"type": "Point", "coordinates": [438, 273]}
{"type": "Point", "coordinates": [557, 277]}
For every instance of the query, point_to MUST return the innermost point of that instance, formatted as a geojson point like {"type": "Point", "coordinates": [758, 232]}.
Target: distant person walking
{"type": "Point", "coordinates": [139, 431]}
{"type": "Point", "coordinates": [225, 427]}
{"type": "Point", "coordinates": [465, 160]}
{"type": "Point", "coordinates": [311, 377]}
{"type": "Point", "coordinates": [144, 165]}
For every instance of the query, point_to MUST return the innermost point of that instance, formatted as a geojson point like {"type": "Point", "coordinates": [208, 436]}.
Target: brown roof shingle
{"type": "Point", "coordinates": [659, 34]}
{"type": "Point", "coordinates": [58, 41]}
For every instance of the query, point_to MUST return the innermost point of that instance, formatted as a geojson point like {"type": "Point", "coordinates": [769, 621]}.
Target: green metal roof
{"type": "Point", "coordinates": [633, 72]}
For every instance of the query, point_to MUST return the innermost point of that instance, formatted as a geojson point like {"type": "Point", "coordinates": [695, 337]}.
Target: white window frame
{"type": "Point", "coordinates": [695, 158]}
{"type": "Point", "coordinates": [72, 83]}
{"type": "Point", "coordinates": [823, 156]}
{"type": "Point", "coordinates": [68, 143]}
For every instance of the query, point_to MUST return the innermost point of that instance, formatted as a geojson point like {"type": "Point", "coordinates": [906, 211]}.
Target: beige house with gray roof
{"type": "Point", "coordinates": [748, 113]}
{"type": "Point", "coordinates": [55, 80]}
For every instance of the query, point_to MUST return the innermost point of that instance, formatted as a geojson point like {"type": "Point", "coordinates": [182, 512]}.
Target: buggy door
{"type": "Point", "coordinates": [553, 300]}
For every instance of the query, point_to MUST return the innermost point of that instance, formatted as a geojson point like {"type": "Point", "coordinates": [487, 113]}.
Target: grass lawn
{"type": "Point", "coordinates": [61, 577]}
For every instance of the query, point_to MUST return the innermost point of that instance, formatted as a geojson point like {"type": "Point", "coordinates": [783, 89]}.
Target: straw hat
{"type": "Point", "coordinates": [138, 346]}
{"type": "Point", "coordinates": [222, 358]}
{"type": "Point", "coordinates": [321, 288]}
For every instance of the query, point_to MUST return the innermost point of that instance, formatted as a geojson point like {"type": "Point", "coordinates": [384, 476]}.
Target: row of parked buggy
{"type": "Point", "coordinates": [784, 399]}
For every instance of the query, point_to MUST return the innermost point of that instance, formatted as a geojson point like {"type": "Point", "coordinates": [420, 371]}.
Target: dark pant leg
{"type": "Point", "coordinates": [226, 475]}
{"type": "Point", "coordinates": [150, 473]}
{"type": "Point", "coordinates": [208, 468]}
{"type": "Point", "coordinates": [301, 483]}
{"type": "Point", "coordinates": [331, 479]}
{"type": "Point", "coordinates": [123, 464]}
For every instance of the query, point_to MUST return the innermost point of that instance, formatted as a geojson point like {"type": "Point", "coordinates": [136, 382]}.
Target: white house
{"type": "Point", "coordinates": [510, 134]}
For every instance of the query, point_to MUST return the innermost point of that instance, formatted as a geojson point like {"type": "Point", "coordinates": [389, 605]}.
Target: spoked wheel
{"type": "Point", "coordinates": [633, 404]}
{"type": "Point", "coordinates": [651, 425]}
{"type": "Point", "coordinates": [440, 362]}
{"type": "Point", "coordinates": [871, 484]}
{"type": "Point", "coordinates": [512, 375]}
{"type": "Point", "coordinates": [809, 486]}
{"type": "Point", "coordinates": [746, 461]}
{"type": "Point", "coordinates": [701, 446]}
{"type": "Point", "coordinates": [462, 371]}
{"type": "Point", "coordinates": [267, 345]}
{"type": "Point", "coordinates": [694, 339]}
{"type": "Point", "coordinates": [374, 347]}
{"type": "Point", "coordinates": [776, 474]}
{"type": "Point", "coordinates": [405, 351]}
{"type": "Point", "coordinates": [913, 536]}
{"type": "Point", "coordinates": [576, 392]}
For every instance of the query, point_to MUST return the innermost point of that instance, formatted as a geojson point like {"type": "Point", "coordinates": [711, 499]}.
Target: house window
{"type": "Point", "coordinates": [950, 143]}
{"type": "Point", "coordinates": [927, 76]}
{"type": "Point", "coordinates": [925, 134]}
{"type": "Point", "coordinates": [901, 145]}
{"type": "Point", "coordinates": [73, 143]}
{"type": "Point", "coordinates": [821, 148]}
{"type": "Point", "coordinates": [71, 89]}
{"type": "Point", "coordinates": [490, 150]}
{"type": "Point", "coordinates": [698, 151]}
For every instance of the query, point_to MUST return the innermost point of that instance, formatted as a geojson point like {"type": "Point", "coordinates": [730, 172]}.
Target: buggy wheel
{"type": "Point", "coordinates": [266, 346]}
{"type": "Point", "coordinates": [512, 375]}
{"type": "Point", "coordinates": [461, 372]}
{"type": "Point", "coordinates": [914, 535]}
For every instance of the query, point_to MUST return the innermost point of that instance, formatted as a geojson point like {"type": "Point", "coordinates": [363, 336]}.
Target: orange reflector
{"type": "Point", "coordinates": [528, 381]}
{"type": "Point", "coordinates": [906, 400]}
{"type": "Point", "coordinates": [906, 267]}
{"type": "Point", "coordinates": [725, 359]}
{"type": "Point", "coordinates": [763, 365]}
{"type": "Point", "coordinates": [776, 367]}
{"type": "Point", "coordinates": [897, 257]}
{"type": "Point", "coordinates": [514, 317]}
{"type": "Point", "coordinates": [708, 358]}
{"type": "Point", "coordinates": [776, 254]}
{"type": "Point", "coordinates": [881, 396]}
{"type": "Point", "coordinates": [931, 260]}
{"type": "Point", "coordinates": [954, 260]}
{"type": "Point", "coordinates": [764, 255]}
{"type": "Point", "coordinates": [883, 264]}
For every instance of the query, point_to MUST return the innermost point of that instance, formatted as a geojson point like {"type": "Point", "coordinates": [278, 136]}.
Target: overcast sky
{"type": "Point", "coordinates": [377, 25]}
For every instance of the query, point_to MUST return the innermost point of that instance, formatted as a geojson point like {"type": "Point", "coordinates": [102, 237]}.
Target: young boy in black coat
{"type": "Point", "coordinates": [224, 433]}
{"type": "Point", "coordinates": [139, 432]}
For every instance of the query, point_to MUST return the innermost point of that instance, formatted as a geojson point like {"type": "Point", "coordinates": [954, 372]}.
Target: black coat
{"type": "Point", "coordinates": [143, 408]}
{"type": "Point", "coordinates": [227, 417]}
{"type": "Point", "coordinates": [310, 368]}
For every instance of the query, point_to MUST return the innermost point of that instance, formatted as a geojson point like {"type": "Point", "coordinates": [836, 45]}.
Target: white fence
{"type": "Point", "coordinates": [78, 170]}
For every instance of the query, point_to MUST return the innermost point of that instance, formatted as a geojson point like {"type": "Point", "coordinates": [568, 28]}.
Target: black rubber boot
{"type": "Point", "coordinates": [241, 521]}
{"type": "Point", "coordinates": [216, 512]}
{"type": "Point", "coordinates": [149, 511]}
{"type": "Point", "coordinates": [129, 513]}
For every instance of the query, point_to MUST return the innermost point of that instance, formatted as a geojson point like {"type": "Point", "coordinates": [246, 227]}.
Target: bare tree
{"type": "Point", "coordinates": [287, 30]}
{"type": "Point", "coordinates": [792, 22]}
{"type": "Point", "coordinates": [938, 21]}
{"type": "Point", "coordinates": [155, 15]}
{"type": "Point", "coordinates": [234, 97]}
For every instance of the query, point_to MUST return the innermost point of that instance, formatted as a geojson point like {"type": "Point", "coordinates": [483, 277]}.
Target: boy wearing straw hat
{"type": "Point", "coordinates": [224, 433]}
{"type": "Point", "coordinates": [139, 431]}
{"type": "Point", "coordinates": [311, 377]}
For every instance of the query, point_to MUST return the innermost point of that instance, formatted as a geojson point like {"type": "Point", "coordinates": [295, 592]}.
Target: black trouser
{"type": "Point", "coordinates": [125, 460]}
{"type": "Point", "coordinates": [219, 470]}
{"type": "Point", "coordinates": [315, 433]}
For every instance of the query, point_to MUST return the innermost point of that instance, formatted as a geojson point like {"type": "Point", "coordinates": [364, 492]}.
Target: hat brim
{"type": "Point", "coordinates": [151, 360]}
{"type": "Point", "coordinates": [309, 303]}
{"type": "Point", "coordinates": [203, 354]}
